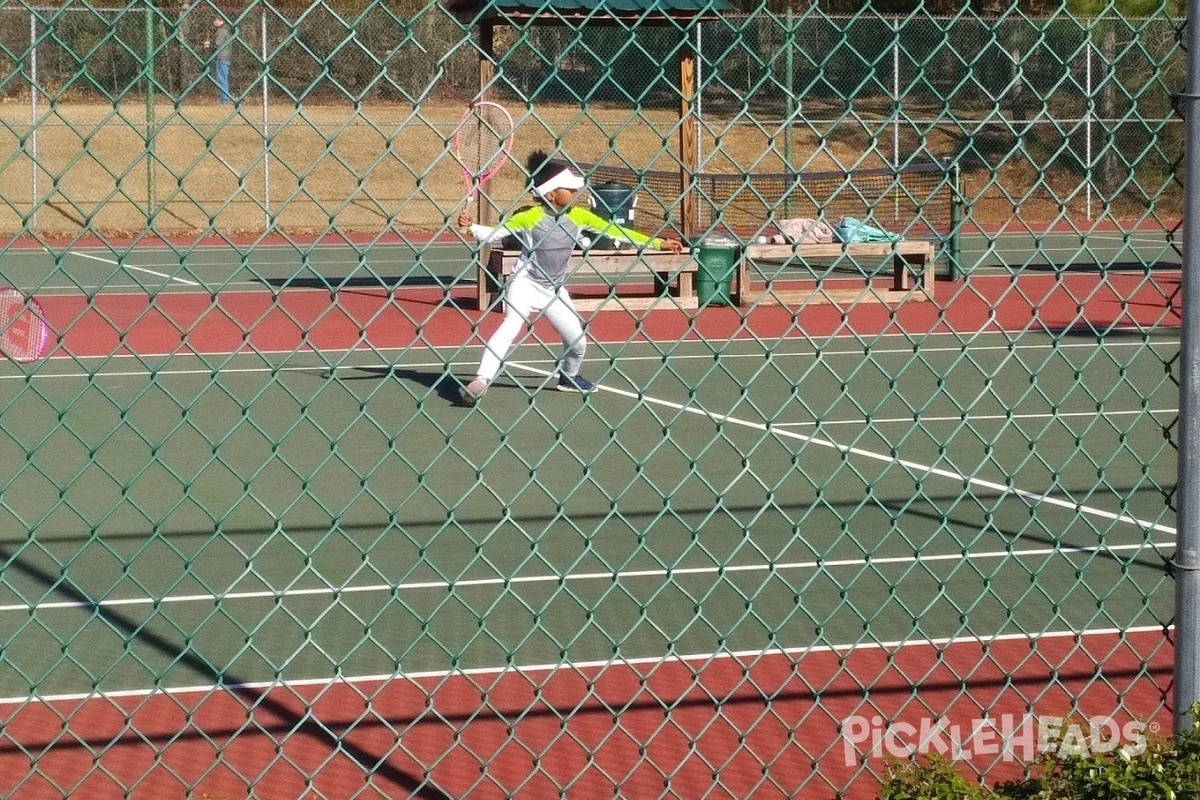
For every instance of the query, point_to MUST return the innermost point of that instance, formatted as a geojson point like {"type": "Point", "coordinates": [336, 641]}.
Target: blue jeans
{"type": "Point", "coordinates": [222, 72]}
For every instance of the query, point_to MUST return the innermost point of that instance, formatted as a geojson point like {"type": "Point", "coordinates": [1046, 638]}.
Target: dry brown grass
{"type": "Point", "coordinates": [322, 167]}
{"type": "Point", "coordinates": [306, 169]}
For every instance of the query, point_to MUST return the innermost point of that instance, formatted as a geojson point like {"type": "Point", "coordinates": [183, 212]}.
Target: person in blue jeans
{"type": "Point", "coordinates": [221, 44]}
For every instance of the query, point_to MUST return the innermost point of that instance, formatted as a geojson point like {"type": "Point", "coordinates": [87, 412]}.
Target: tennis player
{"type": "Point", "coordinates": [548, 233]}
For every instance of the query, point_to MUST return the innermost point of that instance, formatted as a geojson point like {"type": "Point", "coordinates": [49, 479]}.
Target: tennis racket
{"type": "Point", "coordinates": [482, 144]}
{"type": "Point", "coordinates": [24, 333]}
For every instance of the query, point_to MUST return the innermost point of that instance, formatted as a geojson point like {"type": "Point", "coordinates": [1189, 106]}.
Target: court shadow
{"type": "Point", "coordinates": [1025, 535]}
{"type": "Point", "coordinates": [284, 716]}
{"type": "Point", "coordinates": [1099, 330]}
{"type": "Point", "coordinates": [445, 385]}
{"type": "Point", "coordinates": [450, 301]}
{"type": "Point", "coordinates": [1096, 267]}
{"type": "Point", "coordinates": [373, 282]}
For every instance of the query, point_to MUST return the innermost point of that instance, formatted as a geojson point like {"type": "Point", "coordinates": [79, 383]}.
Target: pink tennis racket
{"type": "Point", "coordinates": [482, 144]}
{"type": "Point", "coordinates": [24, 333]}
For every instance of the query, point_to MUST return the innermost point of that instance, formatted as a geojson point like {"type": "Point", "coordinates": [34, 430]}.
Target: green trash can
{"type": "Point", "coordinates": [616, 202]}
{"type": "Point", "coordinates": [716, 260]}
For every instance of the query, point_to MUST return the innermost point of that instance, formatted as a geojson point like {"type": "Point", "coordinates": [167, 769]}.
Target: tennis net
{"type": "Point", "coordinates": [919, 200]}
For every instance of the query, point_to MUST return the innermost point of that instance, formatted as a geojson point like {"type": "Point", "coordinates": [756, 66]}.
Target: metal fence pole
{"type": "Point", "coordinates": [897, 101]}
{"type": "Point", "coordinates": [789, 107]}
{"type": "Point", "coordinates": [700, 77]}
{"type": "Point", "coordinates": [1090, 114]}
{"type": "Point", "coordinates": [1187, 539]}
{"type": "Point", "coordinates": [34, 205]}
{"type": "Point", "coordinates": [266, 116]}
{"type": "Point", "coordinates": [148, 83]}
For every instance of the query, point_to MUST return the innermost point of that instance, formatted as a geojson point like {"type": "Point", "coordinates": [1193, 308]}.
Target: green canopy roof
{"type": "Point", "coordinates": [557, 12]}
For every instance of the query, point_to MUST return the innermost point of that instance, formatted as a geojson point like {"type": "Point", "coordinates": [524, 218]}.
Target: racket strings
{"type": "Point", "coordinates": [483, 141]}
{"type": "Point", "coordinates": [23, 334]}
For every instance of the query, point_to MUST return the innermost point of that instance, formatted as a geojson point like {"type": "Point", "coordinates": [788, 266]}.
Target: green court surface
{"type": "Point", "coordinates": [151, 269]}
{"type": "Point", "coordinates": [1139, 248]}
{"type": "Point", "coordinates": [260, 518]}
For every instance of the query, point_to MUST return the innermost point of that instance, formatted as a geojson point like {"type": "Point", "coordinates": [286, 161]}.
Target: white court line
{"type": "Point", "coordinates": [129, 267]}
{"type": "Point", "coordinates": [922, 470]}
{"type": "Point", "coordinates": [209, 598]}
{"type": "Point", "coordinates": [180, 372]}
{"type": "Point", "coordinates": [858, 421]}
{"type": "Point", "coordinates": [746, 656]}
{"type": "Point", "coordinates": [970, 418]}
{"type": "Point", "coordinates": [410, 252]}
{"type": "Point", "coordinates": [759, 353]}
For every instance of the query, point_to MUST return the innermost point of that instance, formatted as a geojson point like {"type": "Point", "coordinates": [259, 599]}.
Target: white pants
{"type": "Point", "coordinates": [524, 299]}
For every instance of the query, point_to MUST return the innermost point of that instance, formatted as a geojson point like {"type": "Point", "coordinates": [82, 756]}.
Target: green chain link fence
{"type": "Point", "coordinates": [252, 550]}
{"type": "Point", "coordinates": [1022, 105]}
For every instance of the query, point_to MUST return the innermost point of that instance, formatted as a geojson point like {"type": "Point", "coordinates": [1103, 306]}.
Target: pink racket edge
{"type": "Point", "coordinates": [472, 181]}
{"type": "Point", "coordinates": [24, 334]}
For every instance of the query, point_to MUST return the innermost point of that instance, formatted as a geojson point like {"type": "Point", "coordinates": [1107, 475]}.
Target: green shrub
{"type": "Point", "coordinates": [928, 778]}
{"type": "Point", "coordinates": [1167, 769]}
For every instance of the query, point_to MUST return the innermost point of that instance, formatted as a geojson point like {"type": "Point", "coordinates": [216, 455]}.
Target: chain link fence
{"type": "Point", "coordinates": [1057, 116]}
{"type": "Point", "coordinates": [254, 550]}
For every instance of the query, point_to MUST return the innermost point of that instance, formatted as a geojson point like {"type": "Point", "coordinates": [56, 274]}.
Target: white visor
{"type": "Point", "coordinates": [566, 179]}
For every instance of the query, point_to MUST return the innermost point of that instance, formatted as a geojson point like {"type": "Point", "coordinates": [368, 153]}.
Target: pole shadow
{"type": "Point", "coordinates": [131, 630]}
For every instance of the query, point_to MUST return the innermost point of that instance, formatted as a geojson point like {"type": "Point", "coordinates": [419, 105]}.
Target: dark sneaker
{"type": "Point", "coordinates": [575, 383]}
{"type": "Point", "coordinates": [473, 391]}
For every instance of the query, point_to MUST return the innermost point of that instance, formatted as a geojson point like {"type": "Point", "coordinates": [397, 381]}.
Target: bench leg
{"type": "Point", "coordinates": [662, 284]}
{"type": "Point", "coordinates": [902, 272]}
{"type": "Point", "coordinates": [490, 277]}
{"type": "Point", "coordinates": [687, 289]}
{"type": "Point", "coordinates": [483, 280]}
{"type": "Point", "coordinates": [899, 273]}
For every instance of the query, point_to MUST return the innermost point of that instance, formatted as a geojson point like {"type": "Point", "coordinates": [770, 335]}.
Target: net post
{"type": "Point", "coordinates": [954, 243]}
{"type": "Point", "coordinates": [1186, 560]}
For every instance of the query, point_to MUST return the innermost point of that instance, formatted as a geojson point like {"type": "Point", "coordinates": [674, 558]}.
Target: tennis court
{"type": "Point", "coordinates": [241, 503]}
{"type": "Point", "coordinates": [252, 546]}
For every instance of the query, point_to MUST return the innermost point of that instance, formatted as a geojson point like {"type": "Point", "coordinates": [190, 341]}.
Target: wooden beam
{"type": "Point", "coordinates": [688, 137]}
{"type": "Point", "coordinates": [487, 58]}
{"type": "Point", "coordinates": [483, 211]}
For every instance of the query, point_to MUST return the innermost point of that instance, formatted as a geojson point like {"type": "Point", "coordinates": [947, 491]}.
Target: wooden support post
{"type": "Point", "coordinates": [487, 76]}
{"type": "Point", "coordinates": [688, 137]}
{"type": "Point", "coordinates": [483, 211]}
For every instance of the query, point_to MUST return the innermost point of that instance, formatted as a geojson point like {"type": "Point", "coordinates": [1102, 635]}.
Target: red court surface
{"type": "Point", "coordinates": [767, 725]}
{"type": "Point", "coordinates": [297, 319]}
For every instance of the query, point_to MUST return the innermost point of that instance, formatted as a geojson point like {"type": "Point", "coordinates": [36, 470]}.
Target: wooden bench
{"type": "Point", "coordinates": [909, 258]}
{"type": "Point", "coordinates": [673, 275]}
